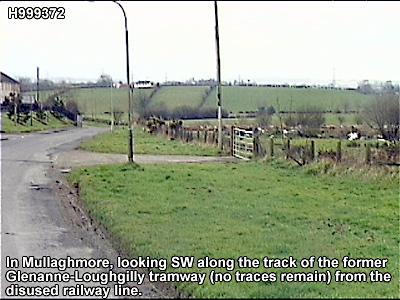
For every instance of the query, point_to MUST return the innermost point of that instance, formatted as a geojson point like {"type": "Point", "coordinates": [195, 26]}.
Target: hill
{"type": "Point", "coordinates": [242, 99]}
{"type": "Point", "coordinates": [235, 99]}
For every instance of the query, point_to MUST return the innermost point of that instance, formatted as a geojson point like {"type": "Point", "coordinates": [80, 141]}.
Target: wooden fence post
{"type": "Point", "coordinates": [312, 150]}
{"type": "Point", "coordinates": [271, 148]}
{"type": "Point", "coordinates": [339, 151]}
{"type": "Point", "coordinates": [288, 149]}
{"type": "Point", "coordinates": [255, 146]}
{"type": "Point", "coordinates": [368, 154]}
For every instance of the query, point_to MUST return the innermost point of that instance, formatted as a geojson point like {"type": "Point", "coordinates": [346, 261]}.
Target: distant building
{"type": "Point", "coordinates": [8, 86]}
{"type": "Point", "coordinates": [144, 84]}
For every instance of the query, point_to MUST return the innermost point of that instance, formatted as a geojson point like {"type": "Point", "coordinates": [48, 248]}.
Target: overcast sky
{"type": "Point", "coordinates": [260, 41]}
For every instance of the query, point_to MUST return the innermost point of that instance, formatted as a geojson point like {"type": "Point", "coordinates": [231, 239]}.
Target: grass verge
{"type": "Point", "coordinates": [7, 125]}
{"type": "Point", "coordinates": [254, 210]}
{"type": "Point", "coordinates": [145, 143]}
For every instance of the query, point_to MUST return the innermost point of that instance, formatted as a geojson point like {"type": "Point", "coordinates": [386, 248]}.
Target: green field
{"type": "Point", "coordinates": [95, 102]}
{"type": "Point", "coordinates": [236, 99]}
{"type": "Point", "coordinates": [145, 143]}
{"type": "Point", "coordinates": [249, 99]}
{"type": "Point", "coordinates": [7, 125]}
{"type": "Point", "coordinates": [173, 97]}
{"type": "Point", "coordinates": [253, 210]}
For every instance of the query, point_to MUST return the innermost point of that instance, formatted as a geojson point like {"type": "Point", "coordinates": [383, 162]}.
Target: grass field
{"type": "Point", "coordinates": [7, 125]}
{"type": "Point", "coordinates": [236, 99]}
{"type": "Point", "coordinates": [95, 102]}
{"type": "Point", "coordinates": [145, 143]}
{"type": "Point", "coordinates": [253, 210]}
{"type": "Point", "coordinates": [176, 96]}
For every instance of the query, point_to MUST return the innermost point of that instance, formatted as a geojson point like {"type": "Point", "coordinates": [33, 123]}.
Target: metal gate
{"type": "Point", "coordinates": [243, 143]}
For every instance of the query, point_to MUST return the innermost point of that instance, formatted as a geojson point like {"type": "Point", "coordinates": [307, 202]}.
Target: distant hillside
{"type": "Point", "coordinates": [235, 99]}
{"type": "Point", "coordinates": [242, 99]}
{"type": "Point", "coordinates": [179, 95]}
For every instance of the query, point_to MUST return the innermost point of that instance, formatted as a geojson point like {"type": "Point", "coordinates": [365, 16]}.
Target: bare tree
{"type": "Point", "coordinates": [383, 113]}
{"type": "Point", "coordinates": [140, 102]}
{"type": "Point", "coordinates": [263, 116]}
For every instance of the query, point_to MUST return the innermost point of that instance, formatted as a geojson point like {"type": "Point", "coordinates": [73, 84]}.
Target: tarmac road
{"type": "Point", "coordinates": [32, 218]}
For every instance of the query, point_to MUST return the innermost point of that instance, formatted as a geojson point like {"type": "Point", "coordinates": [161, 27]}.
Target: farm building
{"type": "Point", "coordinates": [8, 86]}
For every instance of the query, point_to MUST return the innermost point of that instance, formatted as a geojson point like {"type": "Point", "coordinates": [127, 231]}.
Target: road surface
{"type": "Point", "coordinates": [33, 220]}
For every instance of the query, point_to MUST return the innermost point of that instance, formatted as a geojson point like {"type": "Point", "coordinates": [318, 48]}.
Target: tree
{"type": "Point", "coordinates": [263, 117]}
{"type": "Point", "coordinates": [364, 87]}
{"type": "Point", "coordinates": [72, 107]}
{"type": "Point", "coordinates": [383, 113]}
{"type": "Point", "coordinates": [26, 84]}
{"type": "Point", "coordinates": [308, 120]}
{"type": "Point", "coordinates": [140, 102]}
{"type": "Point", "coordinates": [388, 88]}
{"type": "Point", "coordinates": [104, 81]}
{"type": "Point", "coordinates": [271, 110]}
{"type": "Point", "coordinates": [311, 117]}
{"type": "Point", "coordinates": [14, 109]}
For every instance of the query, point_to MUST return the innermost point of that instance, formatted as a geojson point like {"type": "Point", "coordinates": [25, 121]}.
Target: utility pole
{"type": "Point", "coordinates": [37, 93]}
{"type": "Point", "coordinates": [112, 107]}
{"type": "Point", "coordinates": [130, 123]}
{"type": "Point", "coordinates": [219, 100]}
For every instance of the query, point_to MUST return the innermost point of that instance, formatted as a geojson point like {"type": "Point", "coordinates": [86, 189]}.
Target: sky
{"type": "Point", "coordinates": [261, 41]}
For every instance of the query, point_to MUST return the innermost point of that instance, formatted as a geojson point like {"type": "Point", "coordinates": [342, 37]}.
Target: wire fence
{"type": "Point", "coordinates": [251, 143]}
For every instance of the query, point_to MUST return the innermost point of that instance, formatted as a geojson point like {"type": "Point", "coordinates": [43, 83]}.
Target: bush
{"type": "Point", "coordinates": [263, 118]}
{"type": "Point", "coordinates": [384, 113]}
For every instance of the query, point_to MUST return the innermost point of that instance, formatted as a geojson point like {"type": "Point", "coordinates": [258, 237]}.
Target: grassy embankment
{"type": "Point", "coordinates": [7, 125]}
{"type": "Point", "coordinates": [251, 209]}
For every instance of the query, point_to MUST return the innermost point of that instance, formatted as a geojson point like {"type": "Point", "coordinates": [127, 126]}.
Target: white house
{"type": "Point", "coordinates": [8, 86]}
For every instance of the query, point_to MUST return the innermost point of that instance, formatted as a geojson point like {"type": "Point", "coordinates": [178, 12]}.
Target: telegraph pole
{"type": "Point", "coordinates": [37, 84]}
{"type": "Point", "coordinates": [111, 105]}
{"type": "Point", "coordinates": [219, 100]}
{"type": "Point", "coordinates": [37, 92]}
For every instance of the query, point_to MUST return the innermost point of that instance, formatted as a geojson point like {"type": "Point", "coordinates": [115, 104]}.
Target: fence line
{"type": "Point", "coordinates": [247, 144]}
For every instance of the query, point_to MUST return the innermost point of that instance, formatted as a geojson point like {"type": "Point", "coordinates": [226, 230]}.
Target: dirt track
{"type": "Point", "coordinates": [77, 158]}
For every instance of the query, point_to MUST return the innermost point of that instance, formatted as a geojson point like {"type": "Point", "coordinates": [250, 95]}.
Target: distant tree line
{"type": "Point", "coordinates": [181, 112]}
{"type": "Point", "coordinates": [28, 85]}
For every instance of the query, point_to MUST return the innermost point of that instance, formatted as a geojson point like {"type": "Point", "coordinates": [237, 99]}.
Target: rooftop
{"type": "Point", "coordinates": [6, 78]}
